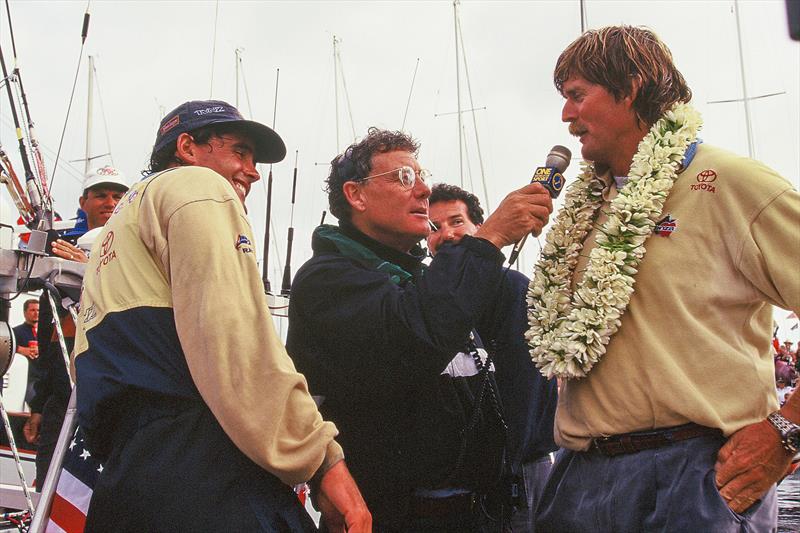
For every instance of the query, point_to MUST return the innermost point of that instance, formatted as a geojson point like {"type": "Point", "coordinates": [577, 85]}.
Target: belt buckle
{"type": "Point", "coordinates": [598, 441]}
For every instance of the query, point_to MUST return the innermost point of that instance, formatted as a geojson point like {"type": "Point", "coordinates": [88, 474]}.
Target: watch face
{"type": "Point", "coordinates": [792, 440]}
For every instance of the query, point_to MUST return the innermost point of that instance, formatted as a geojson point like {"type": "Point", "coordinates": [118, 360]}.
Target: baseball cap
{"type": "Point", "coordinates": [195, 114]}
{"type": "Point", "coordinates": [106, 175]}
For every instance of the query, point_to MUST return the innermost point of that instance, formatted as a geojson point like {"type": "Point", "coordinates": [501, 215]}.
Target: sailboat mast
{"type": "Point", "coordinates": [89, 111]}
{"type": "Point", "coordinates": [745, 100]}
{"type": "Point", "coordinates": [268, 222]}
{"type": "Point", "coordinates": [474, 122]}
{"type": "Point", "coordinates": [238, 60]}
{"type": "Point", "coordinates": [336, 91]}
{"type": "Point", "coordinates": [458, 98]}
{"type": "Point", "coordinates": [583, 16]}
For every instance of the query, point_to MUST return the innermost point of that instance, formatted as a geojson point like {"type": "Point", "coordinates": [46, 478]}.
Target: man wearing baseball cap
{"type": "Point", "coordinates": [102, 189]}
{"type": "Point", "coordinates": [188, 398]}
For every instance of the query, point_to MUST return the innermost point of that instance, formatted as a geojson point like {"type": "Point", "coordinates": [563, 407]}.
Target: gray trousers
{"type": "Point", "coordinates": [535, 475]}
{"type": "Point", "coordinates": [669, 489]}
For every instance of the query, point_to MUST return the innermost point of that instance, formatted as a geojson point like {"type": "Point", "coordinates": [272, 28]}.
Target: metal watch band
{"type": "Point", "coordinates": [790, 432]}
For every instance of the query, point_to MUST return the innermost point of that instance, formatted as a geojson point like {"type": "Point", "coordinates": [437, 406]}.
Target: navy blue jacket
{"type": "Point", "coordinates": [376, 338]}
{"type": "Point", "coordinates": [528, 397]}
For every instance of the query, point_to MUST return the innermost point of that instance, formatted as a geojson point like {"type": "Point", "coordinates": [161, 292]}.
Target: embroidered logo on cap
{"type": "Point", "coordinates": [168, 125]}
{"type": "Point", "coordinates": [705, 178]}
{"type": "Point", "coordinates": [243, 244]}
{"type": "Point", "coordinates": [208, 110]}
{"type": "Point", "coordinates": [666, 226]}
{"type": "Point", "coordinates": [107, 171]}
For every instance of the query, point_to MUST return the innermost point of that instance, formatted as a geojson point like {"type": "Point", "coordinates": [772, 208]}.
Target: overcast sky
{"type": "Point", "coordinates": [152, 55]}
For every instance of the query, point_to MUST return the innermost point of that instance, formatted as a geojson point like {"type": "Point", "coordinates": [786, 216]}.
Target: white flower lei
{"type": "Point", "coordinates": [569, 331]}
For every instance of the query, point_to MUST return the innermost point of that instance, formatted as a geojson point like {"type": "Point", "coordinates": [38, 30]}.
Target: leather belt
{"type": "Point", "coordinates": [421, 506]}
{"type": "Point", "coordinates": [648, 440]}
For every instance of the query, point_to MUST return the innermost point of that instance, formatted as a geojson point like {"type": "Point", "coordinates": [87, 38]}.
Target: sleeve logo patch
{"type": "Point", "coordinates": [89, 313]}
{"type": "Point", "coordinates": [243, 244]}
{"type": "Point", "coordinates": [107, 252]}
{"type": "Point", "coordinates": [666, 226]}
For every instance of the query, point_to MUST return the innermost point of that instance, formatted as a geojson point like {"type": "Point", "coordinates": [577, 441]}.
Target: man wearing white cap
{"type": "Point", "coordinates": [102, 190]}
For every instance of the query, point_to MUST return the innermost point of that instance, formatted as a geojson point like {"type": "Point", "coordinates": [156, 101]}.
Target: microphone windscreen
{"type": "Point", "coordinates": [559, 157]}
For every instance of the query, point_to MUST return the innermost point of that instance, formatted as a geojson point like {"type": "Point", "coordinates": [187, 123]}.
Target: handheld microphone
{"type": "Point", "coordinates": [551, 174]}
{"type": "Point", "coordinates": [551, 177]}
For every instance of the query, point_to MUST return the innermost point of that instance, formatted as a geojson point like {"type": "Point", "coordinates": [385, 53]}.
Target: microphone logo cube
{"type": "Point", "coordinates": [542, 175]}
{"type": "Point", "coordinates": [550, 178]}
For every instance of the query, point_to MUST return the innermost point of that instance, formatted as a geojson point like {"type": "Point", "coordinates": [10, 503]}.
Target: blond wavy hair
{"type": "Point", "coordinates": [616, 55]}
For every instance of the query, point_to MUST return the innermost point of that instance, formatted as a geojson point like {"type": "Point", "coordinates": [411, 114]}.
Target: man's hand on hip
{"type": "Point", "coordinates": [749, 464]}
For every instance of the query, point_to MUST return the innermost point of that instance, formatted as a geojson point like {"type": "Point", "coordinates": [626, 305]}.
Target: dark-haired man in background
{"type": "Point", "coordinates": [390, 344]}
{"type": "Point", "coordinates": [24, 334]}
{"type": "Point", "coordinates": [653, 300]}
{"type": "Point", "coordinates": [185, 391]}
{"type": "Point", "coordinates": [529, 399]}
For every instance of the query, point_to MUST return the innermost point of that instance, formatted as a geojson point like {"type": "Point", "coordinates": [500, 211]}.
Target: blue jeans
{"type": "Point", "coordinates": [670, 489]}
{"type": "Point", "coordinates": [535, 475]}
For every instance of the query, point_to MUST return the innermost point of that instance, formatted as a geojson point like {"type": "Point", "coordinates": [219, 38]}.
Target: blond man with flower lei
{"type": "Point", "coordinates": [652, 302]}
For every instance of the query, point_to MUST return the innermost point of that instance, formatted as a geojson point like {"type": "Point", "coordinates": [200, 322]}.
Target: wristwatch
{"type": "Point", "coordinates": [789, 431]}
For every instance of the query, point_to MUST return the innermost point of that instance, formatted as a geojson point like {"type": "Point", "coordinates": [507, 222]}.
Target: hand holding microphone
{"type": "Point", "coordinates": [528, 209]}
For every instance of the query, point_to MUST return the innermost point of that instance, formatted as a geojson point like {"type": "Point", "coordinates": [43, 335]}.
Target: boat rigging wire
{"type": "Point", "coordinates": [72, 172]}
{"type": "Point", "coordinates": [732, 100]}
{"type": "Point", "coordinates": [286, 286]}
{"type": "Point", "coordinates": [213, 49]}
{"type": "Point", "coordinates": [268, 222]}
{"type": "Point", "coordinates": [751, 150]}
{"type": "Point", "coordinates": [466, 160]}
{"type": "Point", "coordinates": [102, 114]}
{"type": "Point", "coordinates": [458, 98]}
{"type": "Point", "coordinates": [13, 445]}
{"type": "Point", "coordinates": [84, 33]}
{"type": "Point", "coordinates": [67, 166]}
{"type": "Point", "coordinates": [33, 187]}
{"type": "Point", "coordinates": [474, 119]}
{"type": "Point", "coordinates": [436, 115]}
{"type": "Point", "coordinates": [240, 68]}
{"type": "Point", "coordinates": [336, 92]}
{"type": "Point", "coordinates": [33, 142]}
{"type": "Point", "coordinates": [410, 91]}
{"type": "Point", "coordinates": [27, 212]}
{"type": "Point", "coordinates": [337, 64]}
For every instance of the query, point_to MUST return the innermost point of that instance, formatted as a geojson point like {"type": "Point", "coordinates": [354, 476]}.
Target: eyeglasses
{"type": "Point", "coordinates": [406, 175]}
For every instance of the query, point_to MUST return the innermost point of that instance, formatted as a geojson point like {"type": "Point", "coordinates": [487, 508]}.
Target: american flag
{"type": "Point", "coordinates": [74, 489]}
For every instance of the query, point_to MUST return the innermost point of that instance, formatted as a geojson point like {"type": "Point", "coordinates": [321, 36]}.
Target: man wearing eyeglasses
{"type": "Point", "coordinates": [389, 345]}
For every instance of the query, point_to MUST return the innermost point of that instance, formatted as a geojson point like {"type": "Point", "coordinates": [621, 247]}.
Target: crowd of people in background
{"type": "Point", "coordinates": [787, 368]}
